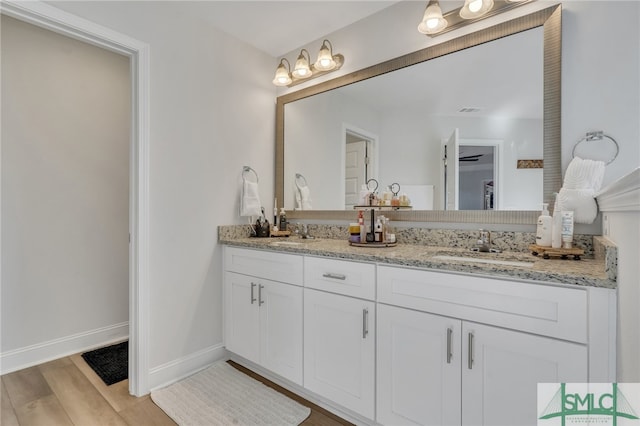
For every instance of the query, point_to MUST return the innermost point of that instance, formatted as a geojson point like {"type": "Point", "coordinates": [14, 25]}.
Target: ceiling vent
{"type": "Point", "coordinates": [469, 109]}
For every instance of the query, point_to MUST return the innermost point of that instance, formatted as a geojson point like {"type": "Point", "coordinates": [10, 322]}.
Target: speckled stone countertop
{"type": "Point", "coordinates": [597, 271]}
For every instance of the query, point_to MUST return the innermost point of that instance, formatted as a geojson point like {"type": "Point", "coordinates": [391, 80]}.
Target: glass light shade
{"type": "Point", "coordinates": [282, 77]}
{"type": "Point", "coordinates": [325, 60]}
{"type": "Point", "coordinates": [301, 69]}
{"type": "Point", "coordinates": [475, 8]}
{"type": "Point", "coordinates": [432, 21]}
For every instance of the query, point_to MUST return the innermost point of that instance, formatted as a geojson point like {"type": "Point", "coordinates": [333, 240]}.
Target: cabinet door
{"type": "Point", "coordinates": [501, 370]}
{"type": "Point", "coordinates": [339, 345]}
{"type": "Point", "coordinates": [242, 316]}
{"type": "Point", "coordinates": [418, 371]}
{"type": "Point", "coordinates": [281, 329]}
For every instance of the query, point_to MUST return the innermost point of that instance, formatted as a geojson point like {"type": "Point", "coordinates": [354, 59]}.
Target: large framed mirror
{"type": "Point", "coordinates": [528, 46]}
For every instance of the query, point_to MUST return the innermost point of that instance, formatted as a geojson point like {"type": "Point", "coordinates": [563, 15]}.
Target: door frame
{"type": "Point", "coordinates": [54, 19]}
{"type": "Point", "coordinates": [372, 150]}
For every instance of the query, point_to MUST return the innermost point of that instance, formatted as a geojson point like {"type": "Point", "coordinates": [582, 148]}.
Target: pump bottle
{"type": "Point", "coordinates": [543, 230]}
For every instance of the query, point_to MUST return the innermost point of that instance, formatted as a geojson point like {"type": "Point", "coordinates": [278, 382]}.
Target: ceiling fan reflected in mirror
{"type": "Point", "coordinates": [470, 157]}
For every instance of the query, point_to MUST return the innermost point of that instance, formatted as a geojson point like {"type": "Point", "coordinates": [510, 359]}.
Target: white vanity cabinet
{"type": "Point", "coordinates": [263, 317]}
{"type": "Point", "coordinates": [445, 369]}
{"type": "Point", "coordinates": [339, 333]}
{"type": "Point", "coordinates": [395, 345]}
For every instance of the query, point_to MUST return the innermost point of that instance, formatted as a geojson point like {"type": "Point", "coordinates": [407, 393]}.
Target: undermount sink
{"type": "Point", "coordinates": [483, 260]}
{"type": "Point", "coordinates": [292, 243]}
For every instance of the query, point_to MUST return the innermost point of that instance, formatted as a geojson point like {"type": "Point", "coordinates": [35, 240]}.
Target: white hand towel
{"type": "Point", "coordinates": [305, 201]}
{"type": "Point", "coordinates": [250, 199]}
{"type": "Point", "coordinates": [582, 181]}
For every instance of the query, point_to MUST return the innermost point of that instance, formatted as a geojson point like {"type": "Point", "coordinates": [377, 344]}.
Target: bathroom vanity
{"type": "Point", "coordinates": [417, 334]}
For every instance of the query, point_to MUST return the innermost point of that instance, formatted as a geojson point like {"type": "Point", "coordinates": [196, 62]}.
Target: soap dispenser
{"type": "Point", "coordinates": [543, 230]}
{"type": "Point", "coordinates": [283, 220]}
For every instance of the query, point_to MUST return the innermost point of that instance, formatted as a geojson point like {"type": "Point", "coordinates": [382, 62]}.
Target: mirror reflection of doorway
{"type": "Point", "coordinates": [472, 172]}
{"type": "Point", "coordinates": [476, 177]}
{"type": "Point", "coordinates": [358, 165]}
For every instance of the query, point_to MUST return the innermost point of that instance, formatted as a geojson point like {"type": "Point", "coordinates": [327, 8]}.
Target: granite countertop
{"type": "Point", "coordinates": [599, 271]}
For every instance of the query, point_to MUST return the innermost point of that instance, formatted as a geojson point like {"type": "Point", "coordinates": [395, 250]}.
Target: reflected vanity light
{"type": "Point", "coordinates": [472, 11]}
{"type": "Point", "coordinates": [475, 8]}
{"type": "Point", "coordinates": [303, 71]}
{"type": "Point", "coordinates": [432, 22]}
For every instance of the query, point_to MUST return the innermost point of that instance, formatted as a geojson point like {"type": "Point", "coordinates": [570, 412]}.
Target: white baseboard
{"type": "Point", "coordinates": [178, 369]}
{"type": "Point", "coordinates": [29, 356]}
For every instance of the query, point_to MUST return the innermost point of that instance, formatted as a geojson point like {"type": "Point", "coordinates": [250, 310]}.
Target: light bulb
{"type": "Point", "coordinates": [432, 23]}
{"type": "Point", "coordinates": [475, 5]}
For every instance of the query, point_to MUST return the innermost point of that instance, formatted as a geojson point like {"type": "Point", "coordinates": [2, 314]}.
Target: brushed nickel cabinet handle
{"type": "Point", "coordinates": [260, 301]}
{"type": "Point", "coordinates": [335, 276]}
{"type": "Point", "coordinates": [253, 298]}
{"type": "Point", "coordinates": [365, 323]}
{"type": "Point", "coordinates": [449, 345]}
{"type": "Point", "coordinates": [470, 351]}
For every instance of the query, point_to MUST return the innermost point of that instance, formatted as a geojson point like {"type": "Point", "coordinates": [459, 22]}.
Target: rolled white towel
{"type": "Point", "coordinates": [305, 199]}
{"type": "Point", "coordinates": [581, 202]}
{"type": "Point", "coordinates": [584, 174]}
{"type": "Point", "coordinates": [250, 199]}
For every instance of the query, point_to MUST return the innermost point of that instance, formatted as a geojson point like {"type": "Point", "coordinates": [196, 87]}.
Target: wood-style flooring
{"type": "Point", "coordinates": [68, 392]}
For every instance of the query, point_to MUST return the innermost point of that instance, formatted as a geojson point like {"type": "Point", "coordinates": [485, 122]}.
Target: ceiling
{"type": "Point", "coordinates": [278, 27]}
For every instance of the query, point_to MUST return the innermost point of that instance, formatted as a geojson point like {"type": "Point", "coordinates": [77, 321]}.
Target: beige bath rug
{"type": "Point", "coordinates": [222, 395]}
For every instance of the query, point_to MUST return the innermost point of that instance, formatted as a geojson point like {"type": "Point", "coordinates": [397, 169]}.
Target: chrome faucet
{"type": "Point", "coordinates": [484, 243]}
{"type": "Point", "coordinates": [304, 232]}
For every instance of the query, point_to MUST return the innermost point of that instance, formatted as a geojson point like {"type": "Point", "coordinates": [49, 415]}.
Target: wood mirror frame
{"type": "Point", "coordinates": [551, 21]}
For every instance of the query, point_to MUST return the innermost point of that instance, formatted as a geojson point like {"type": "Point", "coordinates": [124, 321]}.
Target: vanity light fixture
{"type": "Point", "coordinates": [432, 22]}
{"type": "Point", "coordinates": [302, 71]}
{"type": "Point", "coordinates": [325, 61]}
{"type": "Point", "coordinates": [471, 11]}
{"type": "Point", "coordinates": [475, 8]}
{"type": "Point", "coordinates": [283, 75]}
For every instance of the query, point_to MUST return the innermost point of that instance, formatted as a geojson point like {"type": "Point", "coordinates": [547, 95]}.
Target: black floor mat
{"type": "Point", "coordinates": [110, 363]}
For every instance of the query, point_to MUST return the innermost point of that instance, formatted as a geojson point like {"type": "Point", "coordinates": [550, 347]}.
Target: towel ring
{"type": "Point", "coordinates": [596, 136]}
{"type": "Point", "coordinates": [299, 180]}
{"type": "Point", "coordinates": [246, 169]}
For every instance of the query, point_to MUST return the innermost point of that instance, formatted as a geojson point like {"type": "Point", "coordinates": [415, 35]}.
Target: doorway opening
{"type": "Point", "coordinates": [472, 173]}
{"type": "Point", "coordinates": [48, 17]}
{"type": "Point", "coordinates": [359, 162]}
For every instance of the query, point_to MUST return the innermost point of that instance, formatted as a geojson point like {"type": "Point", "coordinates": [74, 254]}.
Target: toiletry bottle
{"type": "Point", "coordinates": [567, 229]}
{"type": "Point", "coordinates": [544, 228]}
{"type": "Point", "coordinates": [364, 195]}
{"type": "Point", "coordinates": [363, 229]}
{"type": "Point", "coordinates": [378, 231]}
{"type": "Point", "coordinates": [275, 217]}
{"type": "Point", "coordinates": [283, 220]}
{"type": "Point", "coordinates": [556, 229]}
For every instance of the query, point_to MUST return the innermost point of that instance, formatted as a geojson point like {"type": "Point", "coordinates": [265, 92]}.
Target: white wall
{"type": "Point", "coordinates": [212, 111]}
{"type": "Point", "coordinates": [319, 121]}
{"type": "Point", "coordinates": [65, 188]}
{"type": "Point", "coordinates": [600, 69]}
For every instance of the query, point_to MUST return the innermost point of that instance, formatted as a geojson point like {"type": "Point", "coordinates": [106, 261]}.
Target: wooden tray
{"type": "Point", "coordinates": [548, 252]}
{"type": "Point", "coordinates": [280, 233]}
{"type": "Point", "coordinates": [374, 244]}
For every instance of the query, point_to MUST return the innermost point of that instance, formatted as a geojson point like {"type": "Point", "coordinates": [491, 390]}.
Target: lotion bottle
{"type": "Point", "coordinates": [556, 230]}
{"type": "Point", "coordinates": [544, 228]}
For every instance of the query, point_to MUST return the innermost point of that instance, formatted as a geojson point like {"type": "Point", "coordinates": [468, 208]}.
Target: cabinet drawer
{"type": "Point", "coordinates": [540, 309]}
{"type": "Point", "coordinates": [340, 276]}
{"type": "Point", "coordinates": [281, 267]}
